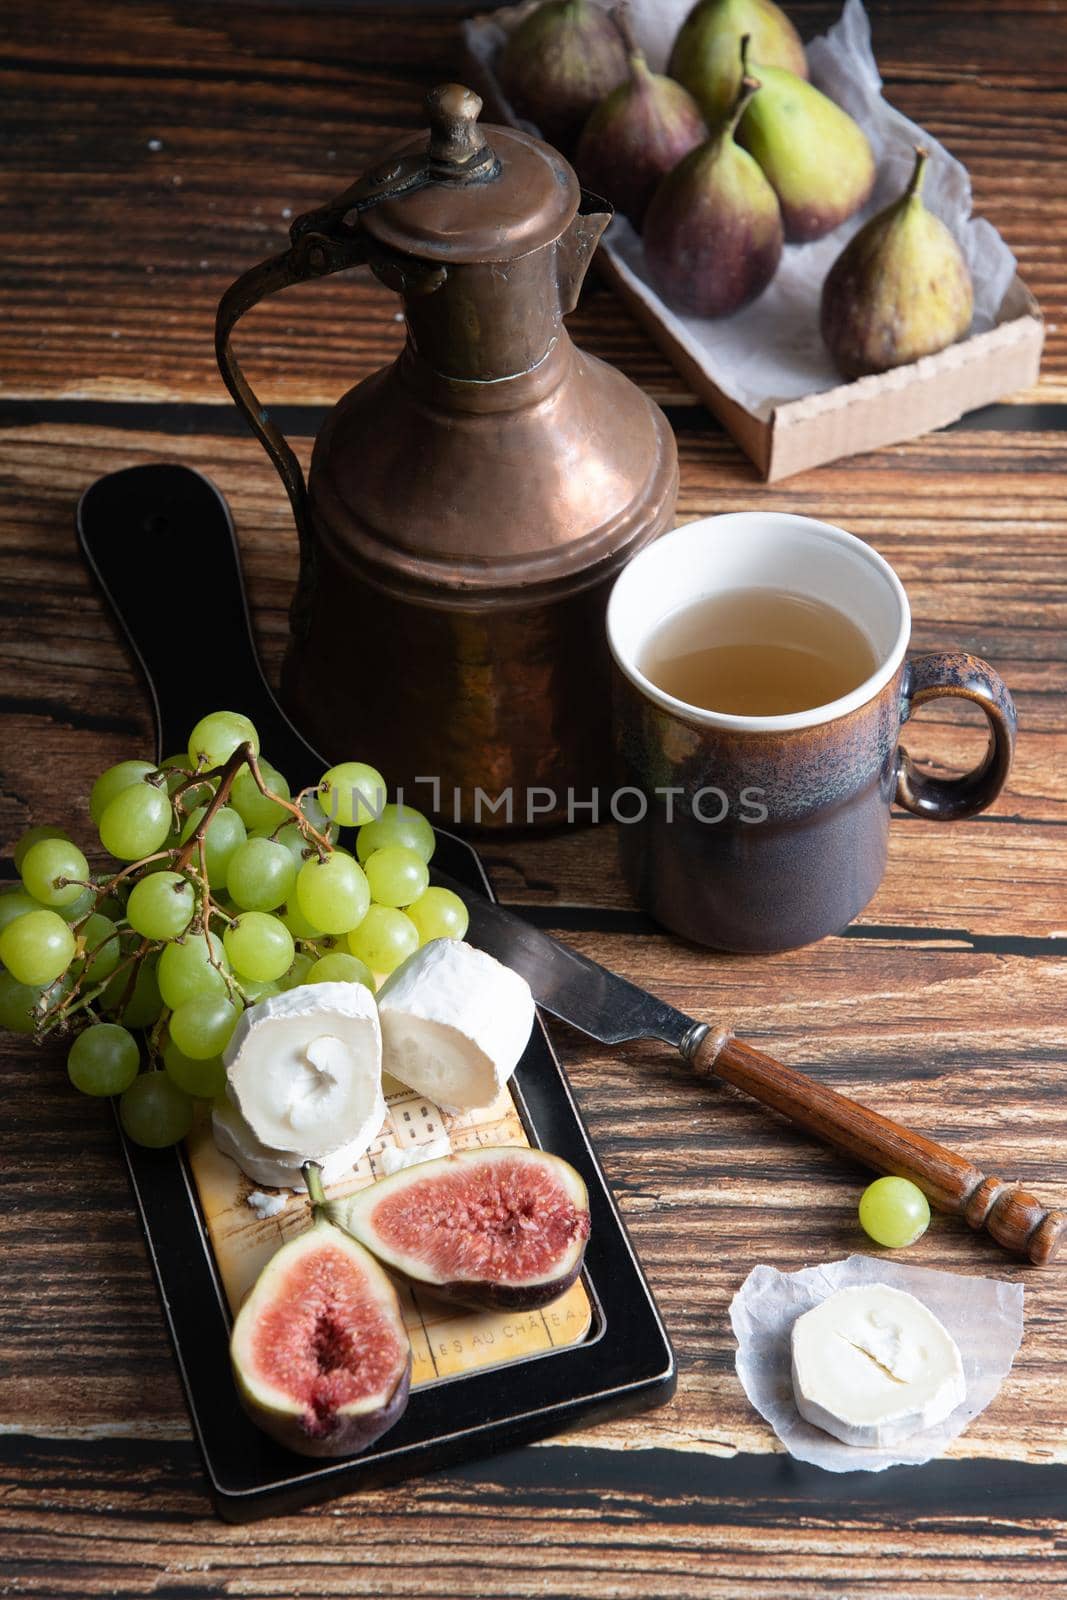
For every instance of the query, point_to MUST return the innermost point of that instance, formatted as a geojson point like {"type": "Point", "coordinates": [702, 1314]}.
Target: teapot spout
{"type": "Point", "coordinates": [575, 248]}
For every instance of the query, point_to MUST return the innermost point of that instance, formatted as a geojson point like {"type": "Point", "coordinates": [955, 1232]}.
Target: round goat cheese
{"type": "Point", "coordinates": [455, 1023]}
{"type": "Point", "coordinates": [304, 1069]}
{"type": "Point", "coordinates": [872, 1365]}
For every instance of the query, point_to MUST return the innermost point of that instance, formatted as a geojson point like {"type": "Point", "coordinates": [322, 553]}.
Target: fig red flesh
{"type": "Point", "coordinates": [492, 1227]}
{"type": "Point", "coordinates": [320, 1352]}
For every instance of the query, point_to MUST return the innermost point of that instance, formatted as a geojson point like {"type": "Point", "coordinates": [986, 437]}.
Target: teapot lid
{"type": "Point", "coordinates": [483, 201]}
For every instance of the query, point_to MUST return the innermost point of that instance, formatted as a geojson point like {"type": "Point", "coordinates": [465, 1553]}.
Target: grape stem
{"type": "Point", "coordinates": [75, 1000]}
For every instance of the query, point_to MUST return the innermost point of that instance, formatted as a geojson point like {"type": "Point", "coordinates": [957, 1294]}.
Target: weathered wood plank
{"type": "Point", "coordinates": [568, 1523]}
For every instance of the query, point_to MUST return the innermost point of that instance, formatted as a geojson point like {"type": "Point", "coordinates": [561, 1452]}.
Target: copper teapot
{"type": "Point", "coordinates": [468, 505]}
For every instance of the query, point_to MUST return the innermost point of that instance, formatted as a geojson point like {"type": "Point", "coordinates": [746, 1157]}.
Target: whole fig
{"type": "Point", "coordinates": [637, 134]}
{"type": "Point", "coordinates": [816, 157]}
{"type": "Point", "coordinates": [559, 63]}
{"type": "Point", "coordinates": [899, 290]}
{"type": "Point", "coordinates": [706, 57]}
{"type": "Point", "coordinates": [713, 232]}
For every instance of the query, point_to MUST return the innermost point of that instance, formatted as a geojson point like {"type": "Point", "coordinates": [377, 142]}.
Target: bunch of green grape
{"type": "Point", "coordinates": [226, 888]}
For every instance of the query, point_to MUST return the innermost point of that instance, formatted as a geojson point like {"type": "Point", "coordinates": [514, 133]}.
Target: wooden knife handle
{"type": "Point", "coordinates": [1014, 1218]}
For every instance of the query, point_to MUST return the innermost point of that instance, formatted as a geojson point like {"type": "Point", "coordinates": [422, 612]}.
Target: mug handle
{"type": "Point", "coordinates": [953, 672]}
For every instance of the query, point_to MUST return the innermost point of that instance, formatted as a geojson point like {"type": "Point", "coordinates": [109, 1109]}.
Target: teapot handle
{"type": "Point", "coordinates": [322, 241]}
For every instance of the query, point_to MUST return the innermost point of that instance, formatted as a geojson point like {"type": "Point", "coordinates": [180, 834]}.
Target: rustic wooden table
{"type": "Point", "coordinates": [151, 153]}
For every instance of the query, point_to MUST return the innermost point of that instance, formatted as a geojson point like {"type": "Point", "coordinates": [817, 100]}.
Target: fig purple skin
{"type": "Point", "coordinates": [504, 1227]}
{"type": "Point", "coordinates": [713, 232]}
{"type": "Point", "coordinates": [636, 136]}
{"type": "Point", "coordinates": [319, 1349]}
{"type": "Point", "coordinates": [559, 63]}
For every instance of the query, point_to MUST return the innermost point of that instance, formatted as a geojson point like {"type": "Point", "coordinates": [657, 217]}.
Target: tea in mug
{"type": "Point", "coordinates": [758, 653]}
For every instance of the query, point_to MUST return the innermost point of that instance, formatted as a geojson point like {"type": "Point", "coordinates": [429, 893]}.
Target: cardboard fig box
{"type": "Point", "coordinates": [764, 372]}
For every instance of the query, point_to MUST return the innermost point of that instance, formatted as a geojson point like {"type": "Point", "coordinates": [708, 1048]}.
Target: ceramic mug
{"type": "Point", "coordinates": [764, 833]}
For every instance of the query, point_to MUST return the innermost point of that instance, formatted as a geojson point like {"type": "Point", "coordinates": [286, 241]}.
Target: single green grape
{"type": "Point", "coordinates": [260, 875]}
{"type": "Point", "coordinates": [397, 825]}
{"type": "Point", "coordinates": [333, 894]}
{"type": "Point", "coordinates": [225, 835]}
{"type": "Point", "coordinates": [295, 920]}
{"type": "Point", "coordinates": [14, 903]}
{"type": "Point", "coordinates": [254, 809]}
{"type": "Point", "coordinates": [112, 782]}
{"type": "Point", "coordinates": [203, 1079]}
{"type": "Point", "coordinates": [352, 793]}
{"type": "Point", "coordinates": [201, 1027]}
{"type": "Point", "coordinates": [439, 914]}
{"type": "Point", "coordinates": [26, 841]}
{"type": "Point", "coordinates": [49, 861]}
{"type": "Point", "coordinates": [338, 967]}
{"type": "Point", "coordinates": [185, 969]}
{"type": "Point", "coordinates": [136, 822]}
{"type": "Point", "coordinates": [161, 906]}
{"type": "Point", "coordinates": [894, 1212]}
{"type": "Point", "coordinates": [154, 1111]}
{"type": "Point", "coordinates": [17, 1003]}
{"type": "Point", "coordinates": [216, 737]}
{"type": "Point", "coordinates": [37, 947]}
{"type": "Point", "coordinates": [259, 946]}
{"type": "Point", "coordinates": [79, 908]}
{"type": "Point", "coordinates": [302, 964]}
{"type": "Point", "coordinates": [145, 1002]}
{"type": "Point", "coordinates": [396, 875]}
{"type": "Point", "coordinates": [384, 938]}
{"type": "Point", "coordinates": [101, 942]}
{"type": "Point", "coordinates": [104, 1059]}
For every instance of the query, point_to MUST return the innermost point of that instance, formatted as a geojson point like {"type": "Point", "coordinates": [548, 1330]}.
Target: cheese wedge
{"type": "Point", "coordinates": [872, 1365]}
{"type": "Point", "coordinates": [304, 1069]}
{"type": "Point", "coordinates": [455, 1023]}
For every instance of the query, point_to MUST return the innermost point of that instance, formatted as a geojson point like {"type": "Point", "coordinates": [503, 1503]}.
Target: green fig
{"type": "Point", "coordinates": [713, 232]}
{"type": "Point", "coordinates": [816, 157]}
{"type": "Point", "coordinates": [706, 53]}
{"type": "Point", "coordinates": [899, 290]}
{"type": "Point", "coordinates": [559, 64]}
{"type": "Point", "coordinates": [637, 134]}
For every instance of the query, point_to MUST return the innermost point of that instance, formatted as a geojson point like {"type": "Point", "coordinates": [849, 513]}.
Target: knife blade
{"type": "Point", "coordinates": [612, 1010]}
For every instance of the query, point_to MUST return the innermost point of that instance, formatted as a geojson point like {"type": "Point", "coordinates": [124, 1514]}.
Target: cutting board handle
{"type": "Point", "coordinates": [950, 1182]}
{"type": "Point", "coordinates": [160, 541]}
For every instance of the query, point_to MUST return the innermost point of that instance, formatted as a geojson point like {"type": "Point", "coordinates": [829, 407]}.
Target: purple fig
{"type": "Point", "coordinates": [706, 53]}
{"type": "Point", "coordinates": [637, 134]}
{"type": "Point", "coordinates": [713, 232]}
{"type": "Point", "coordinates": [899, 290]}
{"type": "Point", "coordinates": [501, 1227]}
{"type": "Point", "coordinates": [559, 63]}
{"type": "Point", "coordinates": [319, 1349]}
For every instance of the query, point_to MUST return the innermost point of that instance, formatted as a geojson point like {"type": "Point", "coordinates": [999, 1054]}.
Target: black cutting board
{"type": "Point", "coordinates": [160, 542]}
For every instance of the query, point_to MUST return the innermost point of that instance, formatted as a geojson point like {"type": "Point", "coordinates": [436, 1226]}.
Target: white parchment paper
{"type": "Point", "coordinates": [983, 1315]}
{"type": "Point", "coordinates": [772, 352]}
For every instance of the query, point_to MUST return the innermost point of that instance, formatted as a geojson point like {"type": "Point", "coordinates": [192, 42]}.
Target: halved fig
{"type": "Point", "coordinates": [319, 1349]}
{"type": "Point", "coordinates": [503, 1227]}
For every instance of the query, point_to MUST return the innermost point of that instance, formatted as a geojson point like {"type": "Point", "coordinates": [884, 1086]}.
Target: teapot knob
{"type": "Point", "coordinates": [456, 140]}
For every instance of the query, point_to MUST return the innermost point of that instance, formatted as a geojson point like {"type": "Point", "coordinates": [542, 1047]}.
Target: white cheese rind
{"type": "Point", "coordinates": [455, 1023]}
{"type": "Point", "coordinates": [277, 1169]}
{"type": "Point", "coordinates": [392, 1159]}
{"type": "Point", "coordinates": [872, 1365]}
{"type": "Point", "coordinates": [304, 1069]}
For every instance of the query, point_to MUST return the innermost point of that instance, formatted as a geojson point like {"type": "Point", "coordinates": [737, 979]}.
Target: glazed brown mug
{"type": "Point", "coordinates": [761, 833]}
